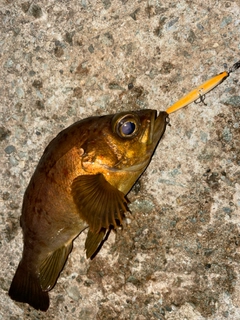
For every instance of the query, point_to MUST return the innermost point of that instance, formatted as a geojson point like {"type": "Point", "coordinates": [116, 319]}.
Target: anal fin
{"type": "Point", "coordinates": [51, 267]}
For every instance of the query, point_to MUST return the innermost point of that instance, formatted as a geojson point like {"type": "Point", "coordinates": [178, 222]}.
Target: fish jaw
{"type": "Point", "coordinates": [156, 131]}
{"type": "Point", "coordinates": [159, 127]}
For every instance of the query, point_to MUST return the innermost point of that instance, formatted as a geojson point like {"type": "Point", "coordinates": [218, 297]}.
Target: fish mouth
{"type": "Point", "coordinates": [139, 166]}
{"type": "Point", "coordinates": [158, 125]}
{"type": "Point", "coordinates": [133, 168]}
{"type": "Point", "coordinates": [157, 129]}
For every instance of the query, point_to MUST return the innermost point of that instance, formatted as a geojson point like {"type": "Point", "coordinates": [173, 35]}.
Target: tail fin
{"type": "Point", "coordinates": [25, 287]}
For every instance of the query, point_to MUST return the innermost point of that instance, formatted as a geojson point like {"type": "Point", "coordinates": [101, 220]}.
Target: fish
{"type": "Point", "coordinates": [81, 181]}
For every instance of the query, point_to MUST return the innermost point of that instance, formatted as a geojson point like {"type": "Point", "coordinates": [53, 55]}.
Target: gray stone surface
{"type": "Point", "coordinates": [178, 255]}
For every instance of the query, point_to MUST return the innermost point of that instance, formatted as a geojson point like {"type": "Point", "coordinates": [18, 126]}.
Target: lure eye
{"type": "Point", "coordinates": [126, 125]}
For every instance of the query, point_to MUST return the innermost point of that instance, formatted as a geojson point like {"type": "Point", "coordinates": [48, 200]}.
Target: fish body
{"type": "Point", "coordinates": [81, 181]}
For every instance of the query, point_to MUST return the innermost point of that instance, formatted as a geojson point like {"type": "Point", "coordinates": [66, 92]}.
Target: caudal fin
{"type": "Point", "coordinates": [25, 287]}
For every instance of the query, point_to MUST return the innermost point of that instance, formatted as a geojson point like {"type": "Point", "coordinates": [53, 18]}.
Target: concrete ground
{"type": "Point", "coordinates": [178, 257]}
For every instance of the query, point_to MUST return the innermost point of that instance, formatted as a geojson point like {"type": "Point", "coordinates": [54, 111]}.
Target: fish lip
{"type": "Point", "coordinates": [152, 126]}
{"type": "Point", "coordinates": [159, 124]}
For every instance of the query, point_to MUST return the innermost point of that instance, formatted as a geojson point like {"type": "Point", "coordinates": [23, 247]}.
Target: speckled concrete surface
{"type": "Point", "coordinates": [178, 257]}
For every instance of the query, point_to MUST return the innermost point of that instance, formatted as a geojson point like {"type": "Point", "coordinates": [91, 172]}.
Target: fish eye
{"type": "Point", "coordinates": [126, 126]}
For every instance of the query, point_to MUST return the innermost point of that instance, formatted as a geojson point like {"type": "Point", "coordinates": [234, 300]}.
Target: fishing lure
{"type": "Point", "coordinates": [202, 90]}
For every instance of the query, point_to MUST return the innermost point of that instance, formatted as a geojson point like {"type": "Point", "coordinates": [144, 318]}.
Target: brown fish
{"type": "Point", "coordinates": [81, 180]}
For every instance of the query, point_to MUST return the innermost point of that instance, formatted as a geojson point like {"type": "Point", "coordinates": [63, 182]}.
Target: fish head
{"type": "Point", "coordinates": [123, 144]}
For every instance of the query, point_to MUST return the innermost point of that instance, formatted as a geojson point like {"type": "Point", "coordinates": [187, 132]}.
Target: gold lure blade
{"type": "Point", "coordinates": [201, 90]}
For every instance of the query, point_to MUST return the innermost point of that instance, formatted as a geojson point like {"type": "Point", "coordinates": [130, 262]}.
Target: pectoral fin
{"type": "Point", "coordinates": [99, 203]}
{"type": "Point", "coordinates": [52, 266]}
